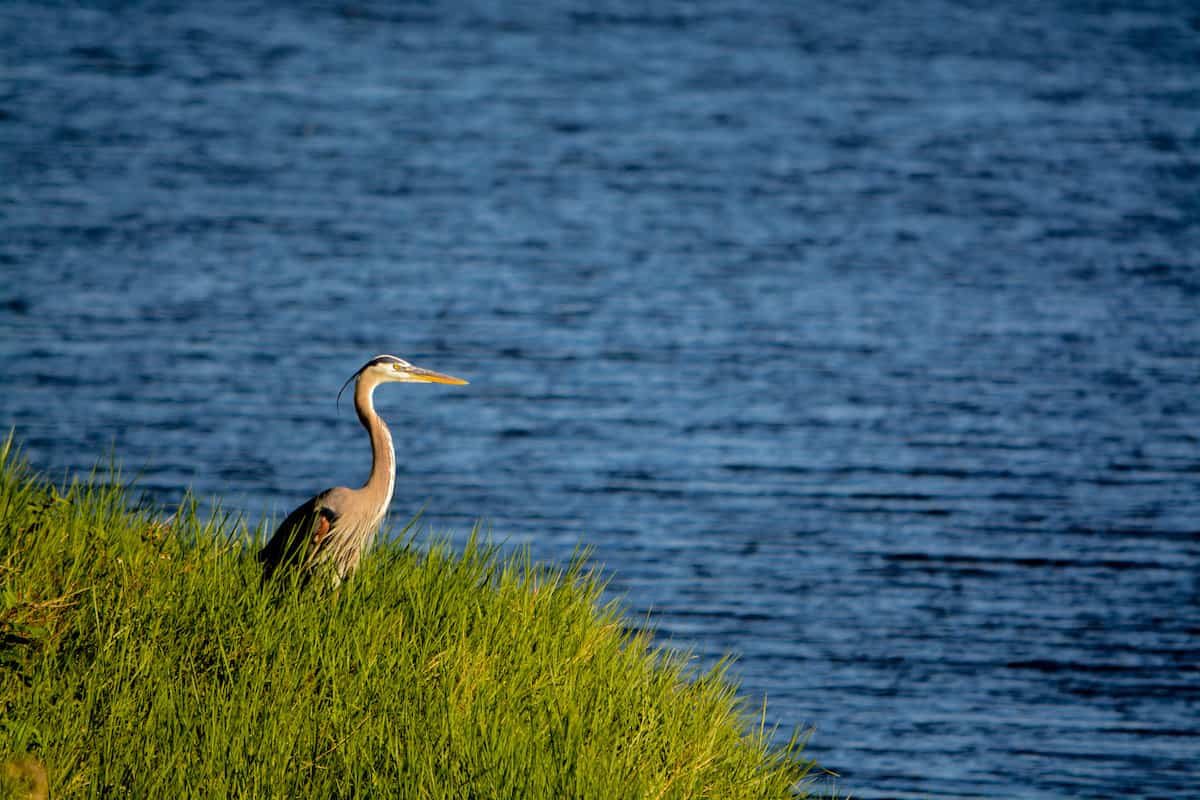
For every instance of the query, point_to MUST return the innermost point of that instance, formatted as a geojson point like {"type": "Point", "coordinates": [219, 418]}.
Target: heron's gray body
{"type": "Point", "coordinates": [331, 531]}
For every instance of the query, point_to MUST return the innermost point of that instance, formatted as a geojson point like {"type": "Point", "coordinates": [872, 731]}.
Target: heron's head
{"type": "Point", "coordinates": [387, 368]}
{"type": "Point", "coordinates": [390, 369]}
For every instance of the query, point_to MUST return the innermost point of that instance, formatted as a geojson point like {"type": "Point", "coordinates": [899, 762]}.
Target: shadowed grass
{"type": "Point", "coordinates": [144, 658]}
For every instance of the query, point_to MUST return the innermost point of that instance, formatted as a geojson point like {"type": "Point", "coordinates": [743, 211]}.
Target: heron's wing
{"type": "Point", "coordinates": [303, 530]}
{"type": "Point", "coordinates": [322, 526]}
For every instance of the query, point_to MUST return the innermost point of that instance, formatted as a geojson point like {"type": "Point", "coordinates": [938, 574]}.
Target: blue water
{"type": "Point", "coordinates": [862, 341]}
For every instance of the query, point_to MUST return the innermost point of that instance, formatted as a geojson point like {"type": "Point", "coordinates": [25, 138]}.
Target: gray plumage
{"type": "Point", "coordinates": [330, 532]}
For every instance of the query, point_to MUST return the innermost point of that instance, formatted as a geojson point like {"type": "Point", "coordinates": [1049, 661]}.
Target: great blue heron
{"type": "Point", "coordinates": [332, 530]}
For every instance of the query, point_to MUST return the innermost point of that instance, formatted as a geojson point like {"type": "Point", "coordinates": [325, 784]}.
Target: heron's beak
{"type": "Point", "coordinates": [429, 376]}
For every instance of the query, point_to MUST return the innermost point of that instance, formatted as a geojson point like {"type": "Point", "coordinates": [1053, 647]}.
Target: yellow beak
{"type": "Point", "coordinates": [429, 376]}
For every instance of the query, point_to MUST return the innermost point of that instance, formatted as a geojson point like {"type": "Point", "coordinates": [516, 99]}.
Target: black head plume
{"type": "Point", "coordinates": [349, 380]}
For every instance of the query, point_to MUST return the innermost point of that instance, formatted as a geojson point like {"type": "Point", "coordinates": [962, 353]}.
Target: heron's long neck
{"type": "Point", "coordinates": [382, 480]}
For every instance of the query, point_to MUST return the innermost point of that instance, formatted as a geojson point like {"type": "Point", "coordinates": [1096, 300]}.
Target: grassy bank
{"type": "Point", "coordinates": [144, 659]}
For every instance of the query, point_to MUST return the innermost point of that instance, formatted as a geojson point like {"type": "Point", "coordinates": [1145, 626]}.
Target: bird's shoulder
{"type": "Point", "coordinates": [332, 502]}
{"type": "Point", "coordinates": [311, 520]}
{"type": "Point", "coordinates": [327, 505]}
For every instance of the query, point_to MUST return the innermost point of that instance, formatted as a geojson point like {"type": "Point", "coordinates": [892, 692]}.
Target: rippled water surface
{"type": "Point", "coordinates": [861, 340]}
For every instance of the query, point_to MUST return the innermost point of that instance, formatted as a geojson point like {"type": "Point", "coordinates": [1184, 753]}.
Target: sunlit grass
{"type": "Point", "coordinates": [144, 658]}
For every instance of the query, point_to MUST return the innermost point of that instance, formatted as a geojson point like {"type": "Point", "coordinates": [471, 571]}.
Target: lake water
{"type": "Point", "coordinates": [860, 340]}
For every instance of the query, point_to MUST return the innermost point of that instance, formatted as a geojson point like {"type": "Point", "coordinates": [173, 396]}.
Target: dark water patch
{"type": "Point", "coordinates": [954, 561]}
{"type": "Point", "coordinates": [1075, 667]}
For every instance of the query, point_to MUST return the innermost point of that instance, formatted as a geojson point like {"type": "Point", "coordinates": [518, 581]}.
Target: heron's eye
{"type": "Point", "coordinates": [396, 367]}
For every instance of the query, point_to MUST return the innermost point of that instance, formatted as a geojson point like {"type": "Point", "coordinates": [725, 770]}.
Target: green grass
{"type": "Point", "coordinates": [142, 658]}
